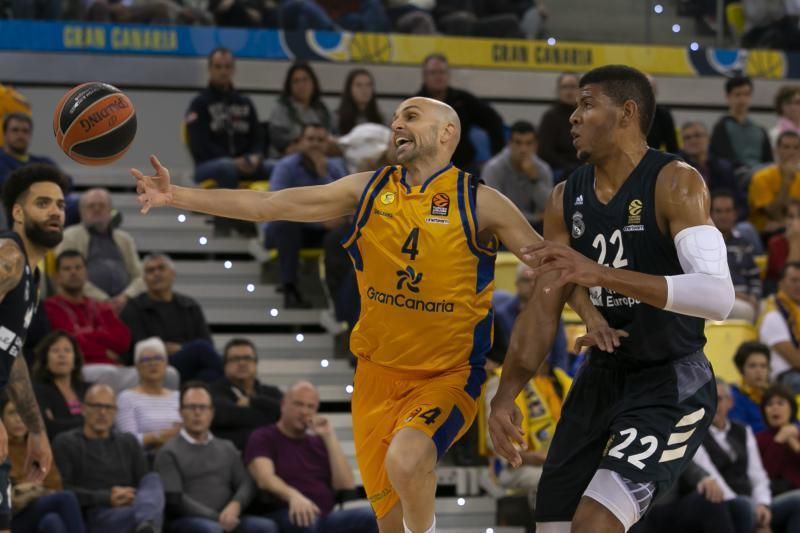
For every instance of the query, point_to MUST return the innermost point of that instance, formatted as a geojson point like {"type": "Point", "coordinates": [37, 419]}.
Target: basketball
{"type": "Point", "coordinates": [94, 123]}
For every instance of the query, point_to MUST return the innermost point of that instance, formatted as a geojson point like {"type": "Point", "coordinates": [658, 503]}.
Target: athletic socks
{"type": "Point", "coordinates": [431, 529]}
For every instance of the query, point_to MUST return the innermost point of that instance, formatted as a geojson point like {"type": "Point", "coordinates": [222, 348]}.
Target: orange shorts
{"type": "Point", "coordinates": [385, 401]}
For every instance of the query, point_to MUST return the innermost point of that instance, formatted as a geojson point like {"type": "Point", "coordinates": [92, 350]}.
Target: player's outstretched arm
{"type": "Point", "coordinates": [705, 289]}
{"type": "Point", "coordinates": [499, 216]}
{"type": "Point", "coordinates": [301, 204]}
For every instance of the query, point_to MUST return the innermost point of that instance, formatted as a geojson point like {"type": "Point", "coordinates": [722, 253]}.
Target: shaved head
{"type": "Point", "coordinates": [99, 391]}
{"type": "Point", "coordinates": [424, 129]}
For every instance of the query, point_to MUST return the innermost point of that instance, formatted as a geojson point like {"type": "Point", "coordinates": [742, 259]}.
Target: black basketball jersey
{"type": "Point", "coordinates": [624, 233]}
{"type": "Point", "coordinates": [16, 311]}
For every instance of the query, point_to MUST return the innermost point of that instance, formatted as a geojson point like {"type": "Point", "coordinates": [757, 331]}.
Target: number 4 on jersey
{"type": "Point", "coordinates": [411, 246]}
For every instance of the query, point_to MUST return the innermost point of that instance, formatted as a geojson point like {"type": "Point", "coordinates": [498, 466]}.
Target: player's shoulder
{"type": "Point", "coordinates": [680, 181]}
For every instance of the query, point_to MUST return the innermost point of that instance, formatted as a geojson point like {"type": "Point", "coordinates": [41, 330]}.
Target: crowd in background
{"type": "Point", "coordinates": [113, 341]}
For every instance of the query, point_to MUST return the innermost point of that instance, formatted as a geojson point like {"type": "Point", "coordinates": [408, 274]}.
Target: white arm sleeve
{"type": "Point", "coordinates": [706, 289]}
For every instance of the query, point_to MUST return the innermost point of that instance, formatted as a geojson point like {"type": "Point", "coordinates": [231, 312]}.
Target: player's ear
{"type": "Point", "coordinates": [448, 132]}
{"type": "Point", "coordinates": [630, 113]}
{"type": "Point", "coordinates": [17, 214]}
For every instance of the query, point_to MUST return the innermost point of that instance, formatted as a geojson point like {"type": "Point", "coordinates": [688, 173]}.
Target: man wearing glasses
{"type": "Point", "coordinates": [108, 471]}
{"type": "Point", "coordinates": [206, 484]}
{"type": "Point", "coordinates": [241, 402]}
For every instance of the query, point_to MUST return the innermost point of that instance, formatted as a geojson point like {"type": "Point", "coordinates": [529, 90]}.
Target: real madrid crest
{"type": "Point", "coordinates": [578, 227]}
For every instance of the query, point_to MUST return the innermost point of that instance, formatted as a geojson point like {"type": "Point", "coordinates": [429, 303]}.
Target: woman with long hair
{"type": "Point", "coordinates": [37, 506]}
{"type": "Point", "coordinates": [300, 103]}
{"type": "Point", "coordinates": [58, 383]}
{"type": "Point", "coordinates": [358, 104]}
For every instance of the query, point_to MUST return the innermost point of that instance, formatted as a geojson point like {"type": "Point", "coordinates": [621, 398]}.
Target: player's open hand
{"type": "Point", "coordinates": [572, 266]}
{"type": "Point", "coordinates": [604, 337]}
{"type": "Point", "coordinates": [505, 429]}
{"type": "Point", "coordinates": [154, 190]}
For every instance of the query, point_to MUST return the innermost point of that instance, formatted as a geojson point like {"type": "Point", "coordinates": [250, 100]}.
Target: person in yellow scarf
{"type": "Point", "coordinates": [752, 361]}
{"type": "Point", "coordinates": [779, 328]}
{"type": "Point", "coordinates": [540, 403]}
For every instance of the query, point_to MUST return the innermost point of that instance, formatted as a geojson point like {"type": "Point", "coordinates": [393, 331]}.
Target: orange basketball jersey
{"type": "Point", "coordinates": [425, 280]}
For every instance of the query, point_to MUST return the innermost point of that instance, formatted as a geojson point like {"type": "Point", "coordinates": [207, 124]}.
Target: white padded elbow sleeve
{"type": "Point", "coordinates": [705, 290]}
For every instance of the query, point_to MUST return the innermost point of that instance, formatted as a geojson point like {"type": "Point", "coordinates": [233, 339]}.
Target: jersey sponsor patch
{"type": "Point", "coordinates": [432, 220]}
{"type": "Point", "coordinates": [579, 200]}
{"type": "Point", "coordinates": [440, 205]}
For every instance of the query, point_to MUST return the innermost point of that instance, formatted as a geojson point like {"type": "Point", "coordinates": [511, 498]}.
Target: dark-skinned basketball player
{"type": "Point", "coordinates": [633, 226]}
{"type": "Point", "coordinates": [423, 244]}
{"type": "Point", "coordinates": [34, 196]}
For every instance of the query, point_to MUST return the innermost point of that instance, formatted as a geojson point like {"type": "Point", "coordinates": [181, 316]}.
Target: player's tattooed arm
{"type": "Point", "coordinates": [12, 264]}
{"type": "Point", "coordinates": [20, 389]}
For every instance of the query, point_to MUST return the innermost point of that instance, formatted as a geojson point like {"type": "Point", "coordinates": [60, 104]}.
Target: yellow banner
{"type": "Point", "coordinates": [516, 54]}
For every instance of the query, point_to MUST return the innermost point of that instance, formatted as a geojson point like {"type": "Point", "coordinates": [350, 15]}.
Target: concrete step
{"type": "Point", "coordinates": [224, 315]}
{"type": "Point", "coordinates": [276, 346]}
{"type": "Point", "coordinates": [194, 273]}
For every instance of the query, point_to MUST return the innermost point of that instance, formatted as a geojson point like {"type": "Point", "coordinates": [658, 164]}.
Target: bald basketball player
{"type": "Point", "coordinates": [423, 243]}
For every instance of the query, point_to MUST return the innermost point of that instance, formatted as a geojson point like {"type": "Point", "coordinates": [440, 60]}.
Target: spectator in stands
{"type": "Point", "coordinates": [518, 173]}
{"type": "Point", "coordinates": [662, 134]}
{"type": "Point", "coordinates": [540, 404]}
{"type": "Point", "coordinates": [176, 319]}
{"type": "Point", "coordinates": [694, 504]}
{"type": "Point", "coordinates": [58, 382]}
{"type": "Point", "coordinates": [735, 136]}
{"type": "Point", "coordinates": [237, 13]}
{"type": "Point", "coordinates": [717, 172]}
{"type": "Point", "coordinates": [555, 140]}
{"type": "Point", "coordinates": [779, 444]}
{"type": "Point", "coordinates": [241, 402]}
{"type": "Point", "coordinates": [787, 107]}
{"type": "Point", "coordinates": [300, 103]}
{"type": "Point", "coordinates": [149, 411]}
{"type": "Point", "coordinates": [37, 505]}
{"type": "Point", "coordinates": [207, 487]}
{"type": "Point", "coordinates": [411, 16]}
{"type": "Point", "coordinates": [358, 104]}
{"type": "Point", "coordinates": [151, 12]}
{"type": "Point", "coordinates": [784, 247]}
{"type": "Point", "coordinates": [507, 307]}
{"type": "Point", "coordinates": [471, 110]}
{"type": "Point", "coordinates": [101, 335]}
{"type": "Point", "coordinates": [773, 186]}
{"type": "Point", "coordinates": [108, 471]}
{"type": "Point", "coordinates": [300, 462]}
{"type": "Point", "coordinates": [752, 361]}
{"type": "Point", "coordinates": [744, 271]}
{"type": "Point", "coordinates": [729, 453]}
{"type": "Point", "coordinates": [11, 102]}
{"type": "Point", "coordinates": [111, 255]}
{"type": "Point", "coordinates": [222, 128]}
{"type": "Point", "coordinates": [768, 24]}
{"type": "Point", "coordinates": [17, 133]}
{"type": "Point", "coordinates": [779, 327]}
{"type": "Point", "coordinates": [334, 15]}
{"type": "Point", "coordinates": [309, 166]}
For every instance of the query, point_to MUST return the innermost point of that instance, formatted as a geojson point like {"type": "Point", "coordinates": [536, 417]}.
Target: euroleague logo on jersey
{"type": "Point", "coordinates": [440, 205]}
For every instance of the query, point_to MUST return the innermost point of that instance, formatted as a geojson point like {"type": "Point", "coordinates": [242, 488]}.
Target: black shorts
{"type": "Point", "coordinates": [643, 423]}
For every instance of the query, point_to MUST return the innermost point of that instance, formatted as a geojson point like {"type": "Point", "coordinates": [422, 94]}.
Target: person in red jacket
{"type": "Point", "coordinates": [100, 334]}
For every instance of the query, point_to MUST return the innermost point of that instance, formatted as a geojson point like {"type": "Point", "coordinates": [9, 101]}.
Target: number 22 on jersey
{"type": "Point", "coordinates": [615, 240]}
